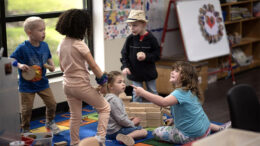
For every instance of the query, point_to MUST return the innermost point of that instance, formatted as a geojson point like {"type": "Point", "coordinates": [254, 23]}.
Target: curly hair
{"type": "Point", "coordinates": [74, 23]}
{"type": "Point", "coordinates": [189, 77]}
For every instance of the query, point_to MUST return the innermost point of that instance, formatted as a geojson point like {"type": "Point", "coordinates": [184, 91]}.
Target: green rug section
{"type": "Point", "coordinates": [93, 116]}
{"type": "Point", "coordinates": [156, 142]}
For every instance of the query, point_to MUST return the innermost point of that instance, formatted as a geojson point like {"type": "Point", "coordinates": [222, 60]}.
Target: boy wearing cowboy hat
{"type": "Point", "coordinates": [139, 54]}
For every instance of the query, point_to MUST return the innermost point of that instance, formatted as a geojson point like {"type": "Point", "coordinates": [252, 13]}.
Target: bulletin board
{"type": "Point", "coordinates": [117, 11]}
{"type": "Point", "coordinates": [202, 29]}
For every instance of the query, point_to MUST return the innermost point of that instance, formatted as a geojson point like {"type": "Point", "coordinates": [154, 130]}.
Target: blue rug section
{"type": "Point", "coordinates": [88, 130]}
{"type": "Point", "coordinates": [60, 117]}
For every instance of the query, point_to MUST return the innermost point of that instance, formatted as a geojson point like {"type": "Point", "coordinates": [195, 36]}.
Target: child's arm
{"type": "Point", "coordinates": [126, 71]}
{"type": "Point", "coordinates": [50, 65]}
{"type": "Point", "coordinates": [92, 64]}
{"type": "Point", "coordinates": [156, 99]}
{"type": "Point", "coordinates": [125, 56]}
{"type": "Point", "coordinates": [119, 114]}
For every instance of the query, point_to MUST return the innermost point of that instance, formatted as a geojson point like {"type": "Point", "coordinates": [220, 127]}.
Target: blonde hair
{"type": "Point", "coordinates": [31, 22]}
{"type": "Point", "coordinates": [189, 78]}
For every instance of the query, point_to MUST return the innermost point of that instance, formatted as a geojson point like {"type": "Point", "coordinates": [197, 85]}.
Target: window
{"type": "Point", "coordinates": [14, 12]}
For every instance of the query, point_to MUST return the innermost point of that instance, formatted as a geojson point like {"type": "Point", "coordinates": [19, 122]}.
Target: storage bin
{"type": "Point", "coordinates": [41, 139]}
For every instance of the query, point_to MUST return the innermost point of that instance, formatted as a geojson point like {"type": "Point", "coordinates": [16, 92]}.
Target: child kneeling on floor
{"type": "Point", "coordinates": [120, 126]}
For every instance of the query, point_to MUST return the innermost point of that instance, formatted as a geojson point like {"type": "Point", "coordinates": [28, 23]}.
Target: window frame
{"type": "Point", "coordinates": [16, 18]}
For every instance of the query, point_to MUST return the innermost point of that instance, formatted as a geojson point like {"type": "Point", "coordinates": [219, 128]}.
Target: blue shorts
{"type": "Point", "coordinates": [125, 131]}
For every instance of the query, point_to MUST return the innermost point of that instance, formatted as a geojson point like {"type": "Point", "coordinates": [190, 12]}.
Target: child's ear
{"type": "Point", "coordinates": [109, 86]}
{"type": "Point", "coordinates": [28, 32]}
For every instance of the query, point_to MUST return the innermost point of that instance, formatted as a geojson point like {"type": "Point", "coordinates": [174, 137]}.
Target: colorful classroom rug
{"type": "Point", "coordinates": [88, 128]}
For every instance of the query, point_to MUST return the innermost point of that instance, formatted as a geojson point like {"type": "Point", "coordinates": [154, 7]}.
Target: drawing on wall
{"type": "Point", "coordinates": [137, 4]}
{"type": "Point", "coordinates": [210, 23]}
{"type": "Point", "coordinates": [115, 17]}
{"type": "Point", "coordinates": [116, 4]}
{"type": "Point", "coordinates": [116, 31]}
{"type": "Point", "coordinates": [117, 11]}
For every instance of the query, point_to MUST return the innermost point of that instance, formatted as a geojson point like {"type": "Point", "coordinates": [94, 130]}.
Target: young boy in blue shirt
{"type": "Point", "coordinates": [34, 54]}
{"type": "Point", "coordinates": [139, 54]}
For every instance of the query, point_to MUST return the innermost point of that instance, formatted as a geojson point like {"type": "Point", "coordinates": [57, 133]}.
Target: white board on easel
{"type": "Point", "coordinates": [202, 28]}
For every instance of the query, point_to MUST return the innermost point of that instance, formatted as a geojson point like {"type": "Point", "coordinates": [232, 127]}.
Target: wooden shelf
{"type": "Point", "coordinates": [246, 41]}
{"type": "Point", "coordinates": [249, 29]}
{"type": "Point", "coordinates": [241, 20]}
{"type": "Point", "coordinates": [235, 3]}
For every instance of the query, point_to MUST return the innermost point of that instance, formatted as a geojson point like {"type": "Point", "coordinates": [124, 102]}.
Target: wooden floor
{"type": "Point", "coordinates": [215, 104]}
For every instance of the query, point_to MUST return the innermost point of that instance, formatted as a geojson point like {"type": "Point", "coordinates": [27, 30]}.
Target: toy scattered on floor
{"type": "Point", "coordinates": [62, 143]}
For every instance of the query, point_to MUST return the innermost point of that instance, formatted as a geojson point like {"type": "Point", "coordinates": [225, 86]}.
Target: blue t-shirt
{"type": "Point", "coordinates": [189, 116]}
{"type": "Point", "coordinates": [27, 54]}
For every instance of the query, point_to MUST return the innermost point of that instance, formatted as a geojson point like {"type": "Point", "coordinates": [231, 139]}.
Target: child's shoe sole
{"type": "Point", "coordinates": [90, 141]}
{"type": "Point", "coordinates": [127, 140]}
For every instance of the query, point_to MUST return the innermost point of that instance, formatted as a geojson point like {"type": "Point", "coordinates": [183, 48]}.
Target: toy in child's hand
{"type": "Point", "coordinates": [140, 56]}
{"type": "Point", "coordinates": [29, 74]}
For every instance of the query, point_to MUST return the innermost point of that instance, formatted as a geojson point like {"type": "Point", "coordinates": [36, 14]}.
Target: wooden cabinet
{"type": "Point", "coordinates": [247, 26]}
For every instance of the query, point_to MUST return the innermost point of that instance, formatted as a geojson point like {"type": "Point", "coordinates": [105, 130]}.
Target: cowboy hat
{"type": "Point", "coordinates": [136, 15]}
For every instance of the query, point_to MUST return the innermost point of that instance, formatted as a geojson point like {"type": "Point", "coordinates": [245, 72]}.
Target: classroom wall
{"type": "Point", "coordinates": [107, 52]}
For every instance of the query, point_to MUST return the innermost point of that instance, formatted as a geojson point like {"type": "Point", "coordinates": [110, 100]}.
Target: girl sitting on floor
{"type": "Point", "coordinates": [190, 121]}
{"type": "Point", "coordinates": [120, 126]}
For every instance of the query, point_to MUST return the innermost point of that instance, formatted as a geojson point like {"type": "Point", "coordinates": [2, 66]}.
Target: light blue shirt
{"type": "Point", "coordinates": [189, 116]}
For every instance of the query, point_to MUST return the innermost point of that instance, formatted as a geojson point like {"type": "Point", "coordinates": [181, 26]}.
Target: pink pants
{"type": "Point", "coordinates": [75, 96]}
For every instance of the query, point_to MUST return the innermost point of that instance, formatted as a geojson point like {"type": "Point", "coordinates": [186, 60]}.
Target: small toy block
{"type": "Point", "coordinates": [143, 123]}
{"type": "Point", "coordinates": [166, 111]}
{"type": "Point", "coordinates": [122, 95]}
{"type": "Point", "coordinates": [139, 104]}
{"type": "Point", "coordinates": [62, 143]}
{"type": "Point", "coordinates": [152, 109]}
{"type": "Point", "coordinates": [127, 109]}
{"type": "Point", "coordinates": [154, 123]}
{"type": "Point", "coordinates": [136, 109]}
{"type": "Point", "coordinates": [141, 115]}
{"type": "Point", "coordinates": [153, 115]}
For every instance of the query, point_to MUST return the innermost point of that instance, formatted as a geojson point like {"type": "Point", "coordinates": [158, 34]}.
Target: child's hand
{"type": "Point", "coordinates": [23, 67]}
{"type": "Point", "coordinates": [136, 121]}
{"type": "Point", "coordinates": [141, 56]}
{"type": "Point", "coordinates": [50, 67]}
{"type": "Point", "coordinates": [138, 90]}
{"type": "Point", "coordinates": [126, 71]}
{"type": "Point", "coordinates": [101, 89]}
{"type": "Point", "coordinates": [169, 122]}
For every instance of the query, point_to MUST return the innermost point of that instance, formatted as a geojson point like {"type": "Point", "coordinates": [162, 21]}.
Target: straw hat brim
{"type": "Point", "coordinates": [132, 20]}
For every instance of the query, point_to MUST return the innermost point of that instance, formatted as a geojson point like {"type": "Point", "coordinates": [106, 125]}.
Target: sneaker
{"type": "Point", "coordinates": [52, 127]}
{"type": "Point", "coordinates": [225, 126]}
{"type": "Point", "coordinates": [125, 139]}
